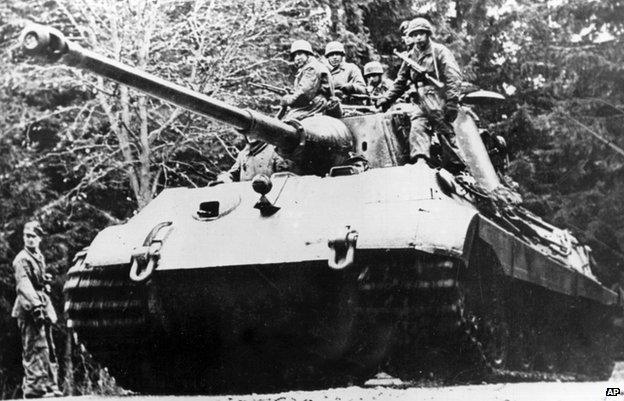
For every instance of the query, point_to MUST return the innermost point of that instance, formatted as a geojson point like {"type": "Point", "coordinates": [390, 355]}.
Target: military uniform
{"type": "Point", "coordinates": [38, 356]}
{"type": "Point", "coordinates": [348, 79]}
{"type": "Point", "coordinates": [438, 61]}
{"type": "Point", "coordinates": [313, 91]}
{"type": "Point", "coordinates": [256, 158]}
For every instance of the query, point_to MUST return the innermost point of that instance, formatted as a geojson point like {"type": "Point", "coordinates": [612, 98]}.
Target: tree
{"type": "Point", "coordinates": [570, 81]}
{"type": "Point", "coordinates": [83, 153]}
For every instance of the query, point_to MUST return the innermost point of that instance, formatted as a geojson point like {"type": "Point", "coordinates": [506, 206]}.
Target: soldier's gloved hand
{"type": "Point", "coordinates": [347, 88]}
{"type": "Point", "coordinates": [383, 104]}
{"type": "Point", "coordinates": [287, 100]}
{"type": "Point", "coordinates": [39, 315]}
{"type": "Point", "coordinates": [450, 112]}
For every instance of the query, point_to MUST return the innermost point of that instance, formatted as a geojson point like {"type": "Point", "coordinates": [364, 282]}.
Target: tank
{"type": "Point", "coordinates": [331, 275]}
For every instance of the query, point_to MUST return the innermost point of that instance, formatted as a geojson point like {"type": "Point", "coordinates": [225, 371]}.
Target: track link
{"type": "Point", "coordinates": [459, 325]}
{"type": "Point", "coordinates": [422, 295]}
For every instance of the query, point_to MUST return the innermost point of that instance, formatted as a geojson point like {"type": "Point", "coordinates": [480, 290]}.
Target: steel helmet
{"type": "Point", "coordinates": [374, 67]}
{"type": "Point", "coordinates": [419, 24]}
{"type": "Point", "coordinates": [334, 47]}
{"type": "Point", "coordinates": [301, 46]}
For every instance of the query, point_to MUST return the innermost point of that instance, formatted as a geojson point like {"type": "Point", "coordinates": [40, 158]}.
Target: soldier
{"type": "Point", "coordinates": [313, 91]}
{"type": "Point", "coordinates": [35, 313]}
{"type": "Point", "coordinates": [439, 107]}
{"type": "Point", "coordinates": [256, 158]}
{"type": "Point", "coordinates": [347, 77]}
{"type": "Point", "coordinates": [376, 83]}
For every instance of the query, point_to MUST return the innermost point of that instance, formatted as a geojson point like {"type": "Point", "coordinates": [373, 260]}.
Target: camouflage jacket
{"type": "Point", "coordinates": [348, 74]}
{"type": "Point", "coordinates": [445, 69]}
{"type": "Point", "coordinates": [257, 158]}
{"type": "Point", "coordinates": [30, 269]}
{"type": "Point", "coordinates": [313, 80]}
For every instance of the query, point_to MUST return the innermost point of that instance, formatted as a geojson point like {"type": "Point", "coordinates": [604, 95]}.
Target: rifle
{"type": "Point", "coordinates": [270, 88]}
{"type": "Point", "coordinates": [368, 99]}
{"type": "Point", "coordinates": [419, 69]}
{"type": "Point", "coordinates": [359, 96]}
{"type": "Point", "coordinates": [275, 89]}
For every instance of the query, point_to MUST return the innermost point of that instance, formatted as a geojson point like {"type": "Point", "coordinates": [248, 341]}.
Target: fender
{"type": "Point", "coordinates": [526, 262]}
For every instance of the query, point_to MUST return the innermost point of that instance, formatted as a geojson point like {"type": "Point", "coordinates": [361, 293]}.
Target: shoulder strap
{"type": "Point", "coordinates": [435, 62]}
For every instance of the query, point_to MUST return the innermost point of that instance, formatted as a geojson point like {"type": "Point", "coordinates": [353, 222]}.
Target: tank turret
{"type": "Point", "coordinates": [315, 143]}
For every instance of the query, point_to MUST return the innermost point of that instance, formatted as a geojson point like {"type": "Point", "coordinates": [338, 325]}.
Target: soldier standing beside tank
{"type": "Point", "coordinates": [376, 83]}
{"type": "Point", "coordinates": [436, 106]}
{"type": "Point", "coordinates": [35, 313]}
{"type": "Point", "coordinates": [256, 158]}
{"type": "Point", "coordinates": [347, 77]}
{"type": "Point", "coordinates": [313, 91]}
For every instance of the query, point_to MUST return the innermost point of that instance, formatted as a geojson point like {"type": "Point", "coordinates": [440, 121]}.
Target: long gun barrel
{"type": "Point", "coordinates": [320, 133]}
{"type": "Point", "coordinates": [270, 88]}
{"type": "Point", "coordinates": [419, 69]}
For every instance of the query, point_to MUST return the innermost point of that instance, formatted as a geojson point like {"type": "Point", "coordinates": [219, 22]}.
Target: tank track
{"type": "Point", "coordinates": [453, 325]}
{"type": "Point", "coordinates": [109, 313]}
{"type": "Point", "coordinates": [421, 295]}
{"type": "Point", "coordinates": [103, 299]}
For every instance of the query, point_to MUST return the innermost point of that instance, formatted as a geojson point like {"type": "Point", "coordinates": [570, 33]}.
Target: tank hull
{"type": "Point", "coordinates": [435, 289]}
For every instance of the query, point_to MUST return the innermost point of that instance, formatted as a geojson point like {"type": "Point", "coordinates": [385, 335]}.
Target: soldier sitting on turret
{"type": "Point", "coordinates": [313, 91]}
{"type": "Point", "coordinates": [438, 107]}
{"type": "Point", "coordinates": [376, 83]}
{"type": "Point", "coordinates": [257, 157]}
{"type": "Point", "coordinates": [348, 80]}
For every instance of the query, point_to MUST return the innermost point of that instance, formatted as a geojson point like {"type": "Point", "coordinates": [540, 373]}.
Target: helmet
{"type": "Point", "coordinates": [374, 67]}
{"type": "Point", "coordinates": [301, 46]}
{"type": "Point", "coordinates": [419, 24]}
{"type": "Point", "coordinates": [334, 47]}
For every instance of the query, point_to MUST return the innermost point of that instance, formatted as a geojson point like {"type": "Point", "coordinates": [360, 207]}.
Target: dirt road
{"type": "Point", "coordinates": [549, 391]}
{"type": "Point", "coordinates": [488, 392]}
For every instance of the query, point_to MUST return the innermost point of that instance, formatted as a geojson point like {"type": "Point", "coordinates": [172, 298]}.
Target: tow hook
{"type": "Point", "coordinates": [342, 249]}
{"type": "Point", "coordinates": [145, 258]}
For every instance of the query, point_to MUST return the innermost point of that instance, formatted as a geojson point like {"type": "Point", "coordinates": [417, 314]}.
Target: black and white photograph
{"type": "Point", "coordinates": [293, 200]}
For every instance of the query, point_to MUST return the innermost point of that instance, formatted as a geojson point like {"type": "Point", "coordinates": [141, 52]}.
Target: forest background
{"type": "Point", "coordinates": [80, 153]}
